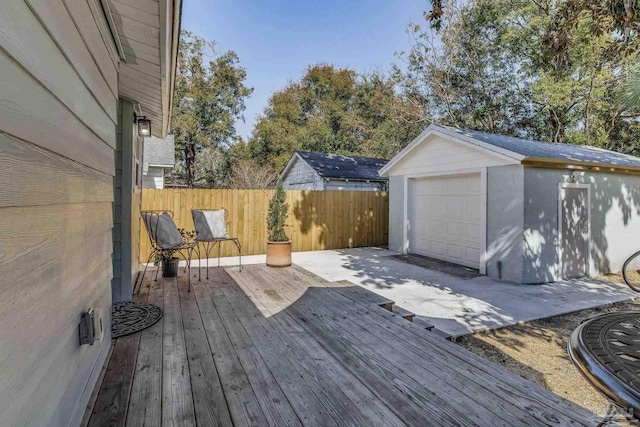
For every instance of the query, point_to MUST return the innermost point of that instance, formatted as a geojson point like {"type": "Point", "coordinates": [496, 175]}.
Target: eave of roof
{"type": "Point", "coordinates": [147, 41]}
{"type": "Point", "coordinates": [497, 150]}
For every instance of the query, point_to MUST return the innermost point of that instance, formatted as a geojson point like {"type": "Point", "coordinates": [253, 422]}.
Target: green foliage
{"type": "Point", "coordinates": [335, 110]}
{"type": "Point", "coordinates": [277, 216]}
{"type": "Point", "coordinates": [548, 69]}
{"type": "Point", "coordinates": [209, 96]}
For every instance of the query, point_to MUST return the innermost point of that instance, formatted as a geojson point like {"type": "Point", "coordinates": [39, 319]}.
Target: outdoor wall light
{"type": "Point", "coordinates": [144, 126]}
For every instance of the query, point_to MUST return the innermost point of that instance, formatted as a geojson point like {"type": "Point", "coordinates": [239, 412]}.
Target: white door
{"type": "Point", "coordinates": [575, 231]}
{"type": "Point", "coordinates": [446, 218]}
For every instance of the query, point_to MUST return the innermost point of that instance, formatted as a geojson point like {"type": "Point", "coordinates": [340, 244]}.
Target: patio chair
{"type": "Point", "coordinates": [165, 236]}
{"type": "Point", "coordinates": [211, 230]}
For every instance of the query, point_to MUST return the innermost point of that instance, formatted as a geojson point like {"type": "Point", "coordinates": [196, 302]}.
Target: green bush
{"type": "Point", "coordinates": [278, 211]}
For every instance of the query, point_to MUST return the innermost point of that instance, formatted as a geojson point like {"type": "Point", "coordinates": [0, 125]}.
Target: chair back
{"type": "Point", "coordinates": [210, 224]}
{"type": "Point", "coordinates": [162, 231]}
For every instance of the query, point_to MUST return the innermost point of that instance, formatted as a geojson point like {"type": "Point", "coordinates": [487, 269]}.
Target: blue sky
{"type": "Point", "coordinates": [277, 40]}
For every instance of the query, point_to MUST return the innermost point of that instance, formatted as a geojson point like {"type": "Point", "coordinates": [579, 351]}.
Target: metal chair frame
{"type": "Point", "coordinates": [211, 244]}
{"type": "Point", "coordinates": [185, 249]}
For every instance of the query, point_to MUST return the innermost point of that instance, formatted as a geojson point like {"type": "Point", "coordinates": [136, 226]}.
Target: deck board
{"type": "Point", "coordinates": [209, 401]}
{"type": "Point", "coordinates": [330, 370]}
{"type": "Point", "coordinates": [177, 396]}
{"type": "Point", "coordinates": [283, 347]}
{"type": "Point", "coordinates": [449, 358]}
{"type": "Point", "coordinates": [243, 403]}
{"type": "Point", "coordinates": [146, 391]}
{"type": "Point", "coordinates": [454, 385]}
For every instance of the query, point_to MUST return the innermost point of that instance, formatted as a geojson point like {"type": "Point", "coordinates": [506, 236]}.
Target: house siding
{"type": "Point", "coordinates": [505, 204]}
{"type": "Point", "coordinates": [340, 184]}
{"type": "Point", "coordinates": [301, 176]}
{"type": "Point", "coordinates": [126, 227]}
{"type": "Point", "coordinates": [57, 150]}
{"type": "Point", "coordinates": [437, 154]}
{"type": "Point", "coordinates": [396, 213]}
{"type": "Point", "coordinates": [153, 178]}
{"type": "Point", "coordinates": [615, 221]}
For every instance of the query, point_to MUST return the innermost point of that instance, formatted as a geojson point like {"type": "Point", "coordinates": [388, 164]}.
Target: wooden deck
{"type": "Point", "coordinates": [282, 347]}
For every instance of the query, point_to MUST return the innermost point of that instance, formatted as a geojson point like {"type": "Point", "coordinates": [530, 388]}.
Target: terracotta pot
{"type": "Point", "coordinates": [279, 254]}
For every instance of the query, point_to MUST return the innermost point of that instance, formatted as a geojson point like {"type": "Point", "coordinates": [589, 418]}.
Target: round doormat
{"type": "Point", "coordinates": [130, 316]}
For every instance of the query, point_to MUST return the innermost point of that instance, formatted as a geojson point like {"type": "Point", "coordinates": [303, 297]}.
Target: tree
{"type": "Point", "coordinates": [462, 75]}
{"type": "Point", "coordinates": [335, 110]}
{"type": "Point", "coordinates": [209, 96]}
{"type": "Point", "coordinates": [247, 174]}
{"type": "Point", "coordinates": [545, 69]}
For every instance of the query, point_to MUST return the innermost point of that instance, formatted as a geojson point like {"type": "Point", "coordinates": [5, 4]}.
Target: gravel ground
{"type": "Point", "coordinates": [537, 351]}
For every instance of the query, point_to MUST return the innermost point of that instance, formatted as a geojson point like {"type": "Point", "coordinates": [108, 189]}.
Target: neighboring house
{"type": "Point", "coordinates": [158, 160]}
{"type": "Point", "coordinates": [524, 211]}
{"type": "Point", "coordinates": [77, 75]}
{"type": "Point", "coordinates": [319, 171]}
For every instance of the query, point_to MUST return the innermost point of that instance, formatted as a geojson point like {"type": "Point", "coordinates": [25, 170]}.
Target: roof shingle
{"type": "Point", "coordinates": [344, 167]}
{"type": "Point", "coordinates": [549, 150]}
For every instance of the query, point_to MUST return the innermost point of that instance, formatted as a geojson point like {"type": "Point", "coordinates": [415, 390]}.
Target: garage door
{"type": "Point", "coordinates": [445, 218]}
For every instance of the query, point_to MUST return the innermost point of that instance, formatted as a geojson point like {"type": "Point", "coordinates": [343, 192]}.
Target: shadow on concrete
{"type": "Point", "coordinates": [459, 306]}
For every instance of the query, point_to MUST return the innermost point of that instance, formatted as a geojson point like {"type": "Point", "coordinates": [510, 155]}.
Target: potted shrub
{"type": "Point", "coordinates": [278, 244]}
{"type": "Point", "coordinates": [169, 262]}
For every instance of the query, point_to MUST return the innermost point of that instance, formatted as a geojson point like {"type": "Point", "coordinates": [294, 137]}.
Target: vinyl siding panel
{"type": "Point", "coordinates": [335, 184]}
{"type": "Point", "coordinates": [28, 42]}
{"type": "Point", "coordinates": [92, 26]}
{"type": "Point", "coordinates": [154, 178]}
{"type": "Point", "coordinates": [57, 154]}
{"type": "Point", "coordinates": [301, 176]}
{"type": "Point", "coordinates": [56, 17]}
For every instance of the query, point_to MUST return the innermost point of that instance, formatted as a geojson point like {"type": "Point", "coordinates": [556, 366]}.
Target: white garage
{"type": "Point", "coordinates": [515, 209]}
{"type": "Point", "coordinates": [446, 218]}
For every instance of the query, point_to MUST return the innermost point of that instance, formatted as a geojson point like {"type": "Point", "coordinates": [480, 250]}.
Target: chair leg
{"type": "Point", "coordinates": [197, 250]}
{"type": "Point", "coordinates": [208, 247]}
{"type": "Point", "coordinates": [135, 285]}
{"type": "Point", "coordinates": [219, 245]}
{"type": "Point", "coordinates": [189, 254]}
{"type": "Point", "coordinates": [237, 242]}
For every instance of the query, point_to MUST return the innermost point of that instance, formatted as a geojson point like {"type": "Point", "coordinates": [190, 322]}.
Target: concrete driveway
{"type": "Point", "coordinates": [457, 305]}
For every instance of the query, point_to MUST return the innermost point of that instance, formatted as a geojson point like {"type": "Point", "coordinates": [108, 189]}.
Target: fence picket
{"type": "Point", "coordinates": [317, 219]}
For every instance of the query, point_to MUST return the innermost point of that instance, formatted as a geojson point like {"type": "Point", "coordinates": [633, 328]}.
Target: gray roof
{"type": "Point", "coordinates": [337, 166]}
{"type": "Point", "coordinates": [548, 150]}
{"type": "Point", "coordinates": [159, 152]}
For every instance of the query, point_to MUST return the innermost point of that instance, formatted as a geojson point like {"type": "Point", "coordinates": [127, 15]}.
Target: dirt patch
{"type": "Point", "coordinates": [632, 275]}
{"type": "Point", "coordinates": [537, 351]}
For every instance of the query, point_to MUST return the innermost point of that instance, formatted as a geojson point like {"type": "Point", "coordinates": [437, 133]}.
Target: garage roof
{"type": "Point", "coordinates": [525, 150]}
{"type": "Point", "coordinates": [337, 166]}
{"type": "Point", "coordinates": [550, 150]}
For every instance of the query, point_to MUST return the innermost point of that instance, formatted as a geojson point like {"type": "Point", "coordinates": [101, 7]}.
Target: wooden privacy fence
{"type": "Point", "coordinates": [317, 219]}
